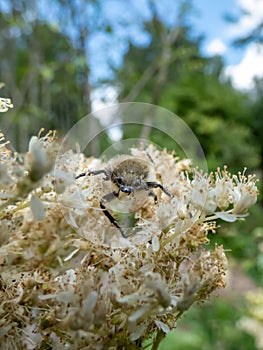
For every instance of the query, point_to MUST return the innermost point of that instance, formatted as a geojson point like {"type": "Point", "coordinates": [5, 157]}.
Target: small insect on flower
{"type": "Point", "coordinates": [130, 175]}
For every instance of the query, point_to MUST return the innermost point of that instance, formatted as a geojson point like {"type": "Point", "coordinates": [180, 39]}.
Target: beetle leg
{"type": "Point", "coordinates": [150, 157]}
{"type": "Point", "coordinates": [80, 175]}
{"type": "Point", "coordinates": [156, 184]}
{"type": "Point", "coordinates": [94, 172]}
{"type": "Point", "coordinates": [152, 194]}
{"type": "Point", "coordinates": [107, 198]}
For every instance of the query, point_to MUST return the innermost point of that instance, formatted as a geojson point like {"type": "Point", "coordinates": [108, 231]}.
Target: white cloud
{"type": "Point", "coordinates": [216, 47]}
{"type": "Point", "coordinates": [103, 97]}
{"type": "Point", "coordinates": [104, 107]}
{"type": "Point", "coordinates": [252, 17]}
{"type": "Point", "coordinates": [242, 74]}
{"type": "Point", "coordinates": [251, 64]}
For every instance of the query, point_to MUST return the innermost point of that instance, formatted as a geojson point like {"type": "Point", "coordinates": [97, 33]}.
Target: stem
{"type": "Point", "coordinates": [17, 208]}
{"type": "Point", "coordinates": [159, 337]}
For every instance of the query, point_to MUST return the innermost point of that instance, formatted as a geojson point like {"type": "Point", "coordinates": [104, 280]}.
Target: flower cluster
{"type": "Point", "coordinates": [69, 280]}
{"type": "Point", "coordinates": [5, 103]}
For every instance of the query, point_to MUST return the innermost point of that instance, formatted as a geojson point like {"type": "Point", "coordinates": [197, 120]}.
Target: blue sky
{"type": "Point", "coordinates": [242, 64]}
{"type": "Point", "coordinates": [211, 22]}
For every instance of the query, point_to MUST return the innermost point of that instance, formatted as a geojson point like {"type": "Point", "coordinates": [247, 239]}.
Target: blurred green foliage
{"type": "Point", "coordinates": [213, 326]}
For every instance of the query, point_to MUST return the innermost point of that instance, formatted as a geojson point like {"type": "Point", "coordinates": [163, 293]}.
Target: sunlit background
{"type": "Point", "coordinates": [202, 60]}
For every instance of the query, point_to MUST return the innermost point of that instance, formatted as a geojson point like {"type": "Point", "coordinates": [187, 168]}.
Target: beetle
{"type": "Point", "coordinates": [130, 175]}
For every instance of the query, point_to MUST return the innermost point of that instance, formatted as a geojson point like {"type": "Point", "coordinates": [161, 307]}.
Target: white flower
{"type": "Point", "coordinates": [215, 194]}
{"type": "Point", "coordinates": [162, 326]}
{"type": "Point", "coordinates": [62, 180]}
{"type": "Point", "coordinates": [37, 208]}
{"type": "Point", "coordinates": [243, 199]}
{"type": "Point", "coordinates": [222, 190]}
{"type": "Point", "coordinates": [5, 104]}
{"type": "Point", "coordinates": [228, 216]}
{"type": "Point", "coordinates": [199, 190]}
{"type": "Point", "coordinates": [36, 161]}
{"type": "Point", "coordinates": [5, 178]}
{"type": "Point", "coordinates": [244, 195]}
